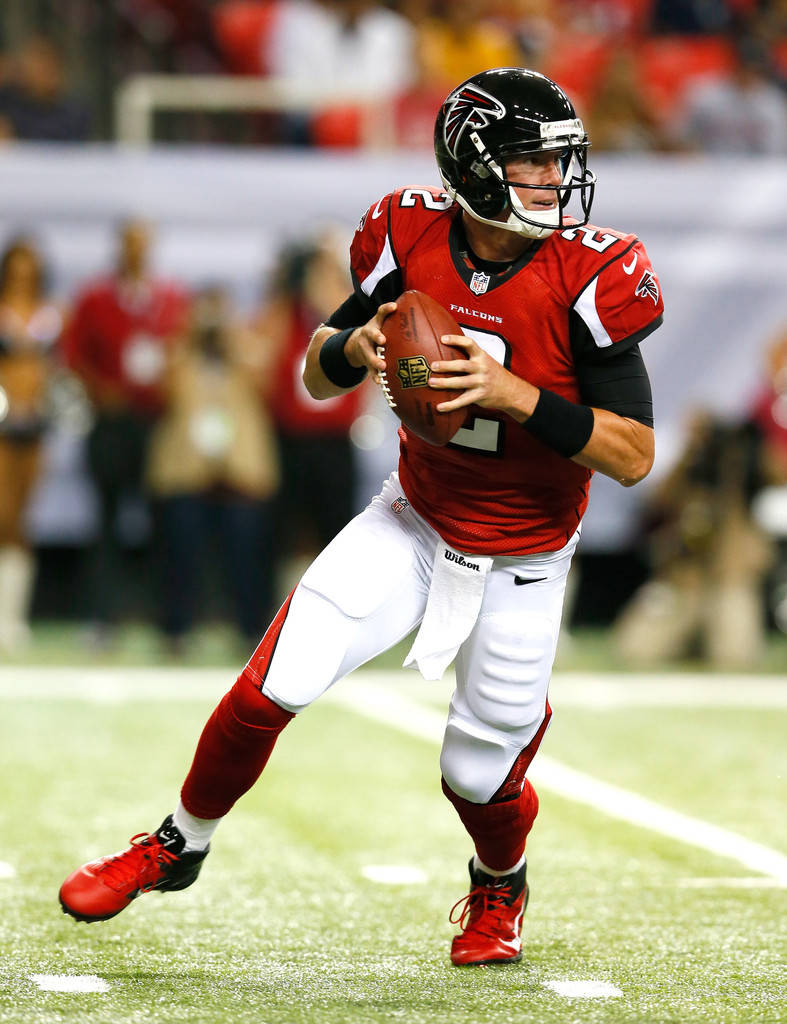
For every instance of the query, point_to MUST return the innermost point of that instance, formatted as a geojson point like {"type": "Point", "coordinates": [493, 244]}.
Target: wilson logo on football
{"type": "Point", "coordinates": [647, 287]}
{"type": "Point", "coordinates": [413, 372]}
{"type": "Point", "coordinates": [471, 107]}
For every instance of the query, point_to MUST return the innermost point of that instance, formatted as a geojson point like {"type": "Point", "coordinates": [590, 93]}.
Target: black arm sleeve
{"type": "Point", "coordinates": [618, 383]}
{"type": "Point", "coordinates": [351, 313]}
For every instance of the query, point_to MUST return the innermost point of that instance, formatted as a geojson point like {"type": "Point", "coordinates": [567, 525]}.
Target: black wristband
{"type": "Point", "coordinates": [334, 362]}
{"type": "Point", "coordinates": [563, 425]}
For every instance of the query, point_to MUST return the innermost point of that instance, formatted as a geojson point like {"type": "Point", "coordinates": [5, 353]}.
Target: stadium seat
{"type": "Point", "coordinates": [669, 63]}
{"type": "Point", "coordinates": [578, 64]}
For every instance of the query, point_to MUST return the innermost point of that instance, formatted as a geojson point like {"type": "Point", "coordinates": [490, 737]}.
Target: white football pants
{"type": "Point", "coordinates": [368, 589]}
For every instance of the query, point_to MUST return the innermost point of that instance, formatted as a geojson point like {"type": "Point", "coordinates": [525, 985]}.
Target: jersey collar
{"type": "Point", "coordinates": [482, 276]}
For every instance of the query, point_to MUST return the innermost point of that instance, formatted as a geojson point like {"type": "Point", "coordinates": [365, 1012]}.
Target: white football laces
{"type": "Point", "coordinates": [382, 380]}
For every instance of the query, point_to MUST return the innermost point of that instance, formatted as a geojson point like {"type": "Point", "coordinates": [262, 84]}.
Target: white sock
{"type": "Point", "coordinates": [196, 831]}
{"type": "Point", "coordinates": [479, 865]}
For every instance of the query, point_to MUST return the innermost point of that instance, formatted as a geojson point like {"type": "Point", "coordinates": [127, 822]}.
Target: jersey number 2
{"type": "Point", "coordinates": [485, 435]}
{"type": "Point", "coordinates": [441, 202]}
{"type": "Point", "coordinates": [599, 241]}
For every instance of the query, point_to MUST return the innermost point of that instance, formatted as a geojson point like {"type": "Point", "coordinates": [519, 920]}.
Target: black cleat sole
{"type": "Point", "coordinates": [85, 918]}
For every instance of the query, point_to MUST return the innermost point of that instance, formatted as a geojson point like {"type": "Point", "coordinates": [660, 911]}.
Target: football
{"type": "Point", "coordinates": [412, 334]}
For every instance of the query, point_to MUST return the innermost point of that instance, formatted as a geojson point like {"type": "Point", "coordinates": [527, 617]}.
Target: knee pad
{"type": "Point", "coordinates": [474, 762]}
{"type": "Point", "coordinates": [480, 764]}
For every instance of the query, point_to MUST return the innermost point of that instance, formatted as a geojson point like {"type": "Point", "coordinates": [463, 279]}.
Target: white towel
{"type": "Point", "coordinates": [452, 608]}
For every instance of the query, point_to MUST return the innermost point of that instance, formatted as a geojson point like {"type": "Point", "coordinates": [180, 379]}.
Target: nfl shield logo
{"type": "Point", "coordinates": [400, 504]}
{"type": "Point", "coordinates": [479, 282]}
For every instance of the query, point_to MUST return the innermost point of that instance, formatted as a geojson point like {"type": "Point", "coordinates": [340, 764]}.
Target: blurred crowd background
{"type": "Point", "coordinates": [646, 74]}
{"type": "Point", "coordinates": [181, 180]}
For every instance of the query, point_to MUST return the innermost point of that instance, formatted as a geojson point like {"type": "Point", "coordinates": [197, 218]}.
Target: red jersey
{"type": "Point", "coordinates": [293, 408]}
{"type": "Point", "coordinates": [118, 336]}
{"type": "Point", "coordinates": [579, 294]}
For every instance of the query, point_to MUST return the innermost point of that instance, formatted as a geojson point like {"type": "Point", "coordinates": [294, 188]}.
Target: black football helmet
{"type": "Point", "coordinates": [498, 114]}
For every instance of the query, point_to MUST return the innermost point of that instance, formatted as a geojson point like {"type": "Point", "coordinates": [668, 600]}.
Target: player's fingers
{"type": "Point", "coordinates": [463, 366]}
{"type": "Point", "coordinates": [454, 383]}
{"type": "Point", "coordinates": [373, 337]}
{"type": "Point", "coordinates": [460, 341]}
{"type": "Point", "coordinates": [376, 360]}
{"type": "Point", "coordinates": [384, 310]}
{"type": "Point", "coordinates": [466, 398]}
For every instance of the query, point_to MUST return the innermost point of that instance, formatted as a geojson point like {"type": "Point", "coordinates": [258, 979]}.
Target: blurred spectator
{"type": "Point", "coordinates": [354, 46]}
{"type": "Point", "coordinates": [692, 16]}
{"type": "Point", "coordinates": [30, 324]}
{"type": "Point", "coordinates": [319, 472]}
{"type": "Point", "coordinates": [770, 412]}
{"type": "Point", "coordinates": [620, 118]}
{"type": "Point", "coordinates": [709, 559]}
{"type": "Point", "coordinates": [241, 28]}
{"type": "Point", "coordinates": [457, 40]}
{"type": "Point", "coordinates": [213, 470]}
{"type": "Point", "coordinates": [168, 35]}
{"type": "Point", "coordinates": [742, 112]}
{"type": "Point", "coordinates": [34, 100]}
{"type": "Point", "coordinates": [769, 415]}
{"type": "Point", "coordinates": [116, 342]}
{"type": "Point", "coordinates": [536, 25]}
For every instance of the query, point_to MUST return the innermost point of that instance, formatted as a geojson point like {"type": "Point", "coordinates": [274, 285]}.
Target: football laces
{"type": "Point", "coordinates": [382, 380]}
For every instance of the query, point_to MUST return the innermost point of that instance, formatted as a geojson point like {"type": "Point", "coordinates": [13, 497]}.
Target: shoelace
{"type": "Point", "coordinates": [492, 901]}
{"type": "Point", "coordinates": [137, 864]}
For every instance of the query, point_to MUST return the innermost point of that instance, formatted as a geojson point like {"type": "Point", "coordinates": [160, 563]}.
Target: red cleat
{"type": "Point", "coordinates": [490, 917]}
{"type": "Point", "coordinates": [104, 887]}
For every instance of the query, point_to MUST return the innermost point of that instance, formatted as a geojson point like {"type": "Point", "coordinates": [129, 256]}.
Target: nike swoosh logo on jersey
{"type": "Point", "coordinates": [377, 212]}
{"type": "Point", "coordinates": [630, 268]}
{"type": "Point", "coordinates": [520, 581]}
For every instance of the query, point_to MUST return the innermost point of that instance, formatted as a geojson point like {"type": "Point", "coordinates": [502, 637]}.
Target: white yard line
{"type": "Point", "coordinates": [394, 874]}
{"type": "Point", "coordinates": [70, 982]}
{"type": "Point", "coordinates": [385, 705]}
{"type": "Point", "coordinates": [638, 810]}
{"type": "Point", "coordinates": [386, 697]}
{"type": "Point", "coordinates": [691, 690]}
{"type": "Point", "coordinates": [568, 689]}
{"type": "Point", "coordinates": [746, 882]}
{"type": "Point", "coordinates": [584, 989]}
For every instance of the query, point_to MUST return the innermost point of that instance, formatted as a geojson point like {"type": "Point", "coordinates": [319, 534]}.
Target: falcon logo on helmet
{"type": "Point", "coordinates": [469, 107]}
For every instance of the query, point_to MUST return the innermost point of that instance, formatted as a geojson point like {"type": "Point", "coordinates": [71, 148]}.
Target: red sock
{"type": "Point", "coordinates": [233, 749]}
{"type": "Point", "coordinates": [499, 830]}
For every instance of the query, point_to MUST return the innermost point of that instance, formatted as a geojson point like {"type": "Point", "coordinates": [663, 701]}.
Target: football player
{"type": "Point", "coordinates": [471, 542]}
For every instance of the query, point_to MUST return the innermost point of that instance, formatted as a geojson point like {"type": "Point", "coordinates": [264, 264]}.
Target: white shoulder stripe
{"type": "Point", "coordinates": [384, 265]}
{"type": "Point", "coordinates": [586, 307]}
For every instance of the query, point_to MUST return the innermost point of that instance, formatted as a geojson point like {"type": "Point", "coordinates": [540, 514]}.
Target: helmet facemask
{"type": "Point", "coordinates": [490, 192]}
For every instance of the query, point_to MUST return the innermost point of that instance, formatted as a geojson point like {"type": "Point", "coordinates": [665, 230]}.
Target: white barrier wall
{"type": "Point", "coordinates": [716, 231]}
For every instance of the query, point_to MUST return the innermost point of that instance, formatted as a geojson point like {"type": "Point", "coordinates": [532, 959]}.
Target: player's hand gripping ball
{"type": "Point", "coordinates": [412, 334]}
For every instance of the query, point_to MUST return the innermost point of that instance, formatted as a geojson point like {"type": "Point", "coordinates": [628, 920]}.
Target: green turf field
{"type": "Point", "coordinates": [285, 926]}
